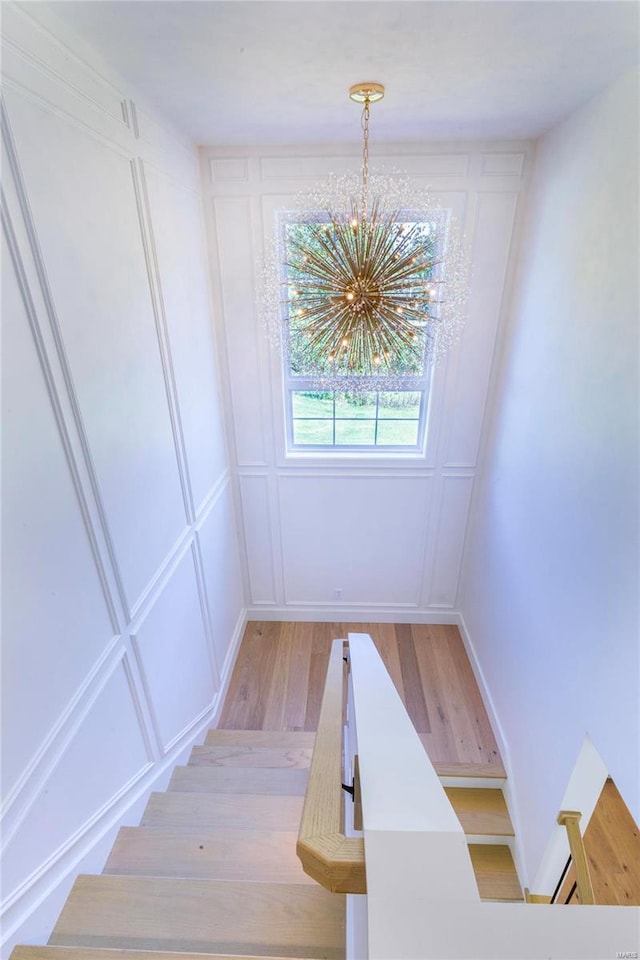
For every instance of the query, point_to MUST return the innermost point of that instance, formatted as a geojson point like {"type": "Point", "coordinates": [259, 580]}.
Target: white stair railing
{"type": "Point", "coordinates": [422, 901]}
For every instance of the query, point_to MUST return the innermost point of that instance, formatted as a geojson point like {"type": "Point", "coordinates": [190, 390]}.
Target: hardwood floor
{"type": "Point", "coordinates": [278, 681]}
{"type": "Point", "coordinates": [612, 844]}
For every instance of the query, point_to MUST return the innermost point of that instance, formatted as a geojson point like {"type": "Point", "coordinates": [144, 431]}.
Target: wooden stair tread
{"type": "Point", "coordinates": [217, 811]}
{"type": "Point", "coordinates": [481, 811]}
{"type": "Point", "coordinates": [150, 913]}
{"type": "Point", "coordinates": [223, 855]}
{"type": "Point", "coordinates": [495, 871]}
{"type": "Point", "coordinates": [247, 756]}
{"type": "Point", "coordinates": [275, 781]}
{"type": "Point", "coordinates": [49, 952]}
{"type": "Point", "coordinates": [301, 739]}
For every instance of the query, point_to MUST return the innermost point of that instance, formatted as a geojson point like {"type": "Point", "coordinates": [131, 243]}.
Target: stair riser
{"type": "Point", "coordinates": [483, 783]}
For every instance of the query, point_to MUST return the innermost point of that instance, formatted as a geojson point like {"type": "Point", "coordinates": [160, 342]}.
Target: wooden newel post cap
{"type": "Point", "coordinates": [566, 815]}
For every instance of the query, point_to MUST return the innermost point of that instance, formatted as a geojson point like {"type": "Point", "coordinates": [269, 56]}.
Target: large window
{"type": "Point", "coordinates": [384, 412]}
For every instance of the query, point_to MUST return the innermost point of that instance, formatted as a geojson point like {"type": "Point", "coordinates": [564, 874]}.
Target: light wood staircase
{"type": "Point", "coordinates": [475, 793]}
{"type": "Point", "coordinates": [212, 869]}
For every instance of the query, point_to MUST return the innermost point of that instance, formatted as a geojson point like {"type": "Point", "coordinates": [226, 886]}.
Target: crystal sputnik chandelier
{"type": "Point", "coordinates": [374, 280]}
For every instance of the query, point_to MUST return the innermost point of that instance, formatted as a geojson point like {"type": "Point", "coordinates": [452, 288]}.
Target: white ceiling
{"type": "Point", "coordinates": [257, 71]}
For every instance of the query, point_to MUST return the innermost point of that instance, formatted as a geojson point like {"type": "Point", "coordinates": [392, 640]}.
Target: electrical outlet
{"type": "Point", "coordinates": [337, 593]}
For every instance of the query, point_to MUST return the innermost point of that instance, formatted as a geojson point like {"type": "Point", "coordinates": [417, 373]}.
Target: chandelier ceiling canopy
{"type": "Point", "coordinates": [370, 279]}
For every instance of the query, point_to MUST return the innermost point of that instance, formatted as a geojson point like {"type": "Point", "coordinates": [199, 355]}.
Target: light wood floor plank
{"type": "Point", "coordinates": [414, 698]}
{"type": "Point", "coordinates": [612, 845]}
{"type": "Point", "coordinates": [205, 916]}
{"type": "Point", "coordinates": [295, 707]}
{"type": "Point", "coordinates": [273, 717]}
{"type": "Point", "coordinates": [321, 639]}
{"type": "Point", "coordinates": [431, 672]}
{"type": "Point", "coordinates": [482, 741]}
{"type": "Point", "coordinates": [439, 741]}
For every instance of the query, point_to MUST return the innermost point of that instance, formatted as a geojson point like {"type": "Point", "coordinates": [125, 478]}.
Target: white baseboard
{"type": "Point", "coordinates": [509, 788]}
{"type": "Point", "coordinates": [59, 871]}
{"type": "Point", "coordinates": [352, 613]}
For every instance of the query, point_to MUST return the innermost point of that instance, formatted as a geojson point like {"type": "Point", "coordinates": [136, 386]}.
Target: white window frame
{"type": "Point", "coordinates": [294, 383]}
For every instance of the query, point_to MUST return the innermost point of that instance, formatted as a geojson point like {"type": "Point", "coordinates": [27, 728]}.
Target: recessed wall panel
{"type": "Point", "coordinates": [83, 199]}
{"type": "Point", "coordinates": [242, 330]}
{"type": "Point", "coordinates": [493, 234]}
{"type": "Point", "coordinates": [179, 243]}
{"type": "Point", "coordinates": [171, 645]}
{"type": "Point", "coordinates": [55, 619]}
{"type": "Point", "coordinates": [102, 757]}
{"type": "Point", "coordinates": [361, 536]}
{"type": "Point", "coordinates": [223, 577]}
{"type": "Point", "coordinates": [453, 511]}
{"type": "Point", "coordinates": [256, 515]}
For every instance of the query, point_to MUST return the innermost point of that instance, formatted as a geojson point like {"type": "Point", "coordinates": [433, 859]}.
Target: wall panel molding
{"type": "Point", "coordinates": [234, 238]}
{"type": "Point", "coordinates": [112, 144]}
{"type": "Point", "coordinates": [97, 535]}
{"type": "Point", "coordinates": [51, 872]}
{"type": "Point", "coordinates": [258, 538]}
{"type": "Point", "coordinates": [55, 351]}
{"type": "Point", "coordinates": [502, 164]}
{"type": "Point", "coordinates": [56, 59]}
{"type": "Point", "coordinates": [480, 182]}
{"type": "Point", "coordinates": [155, 287]}
{"type": "Point", "coordinates": [67, 730]}
{"type": "Point", "coordinates": [229, 168]}
{"type": "Point", "coordinates": [453, 511]}
{"type": "Point", "coordinates": [494, 220]}
{"type": "Point", "coordinates": [17, 803]}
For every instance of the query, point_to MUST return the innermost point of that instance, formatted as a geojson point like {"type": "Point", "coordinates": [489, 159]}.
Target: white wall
{"type": "Point", "coordinates": [388, 533]}
{"type": "Point", "coordinates": [550, 583]}
{"type": "Point", "coordinates": [122, 590]}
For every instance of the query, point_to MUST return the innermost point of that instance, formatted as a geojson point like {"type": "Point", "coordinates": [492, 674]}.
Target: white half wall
{"type": "Point", "coordinates": [347, 537]}
{"type": "Point", "coordinates": [549, 591]}
{"type": "Point", "coordinates": [122, 586]}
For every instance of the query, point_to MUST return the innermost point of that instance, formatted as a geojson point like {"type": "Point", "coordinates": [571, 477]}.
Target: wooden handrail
{"type": "Point", "coordinates": [333, 860]}
{"type": "Point", "coordinates": [571, 820]}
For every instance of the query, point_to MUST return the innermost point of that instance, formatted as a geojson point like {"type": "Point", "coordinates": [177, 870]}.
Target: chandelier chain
{"type": "Point", "coordinates": [365, 161]}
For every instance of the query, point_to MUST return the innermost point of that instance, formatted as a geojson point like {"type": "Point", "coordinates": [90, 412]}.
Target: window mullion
{"type": "Point", "coordinates": [334, 418]}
